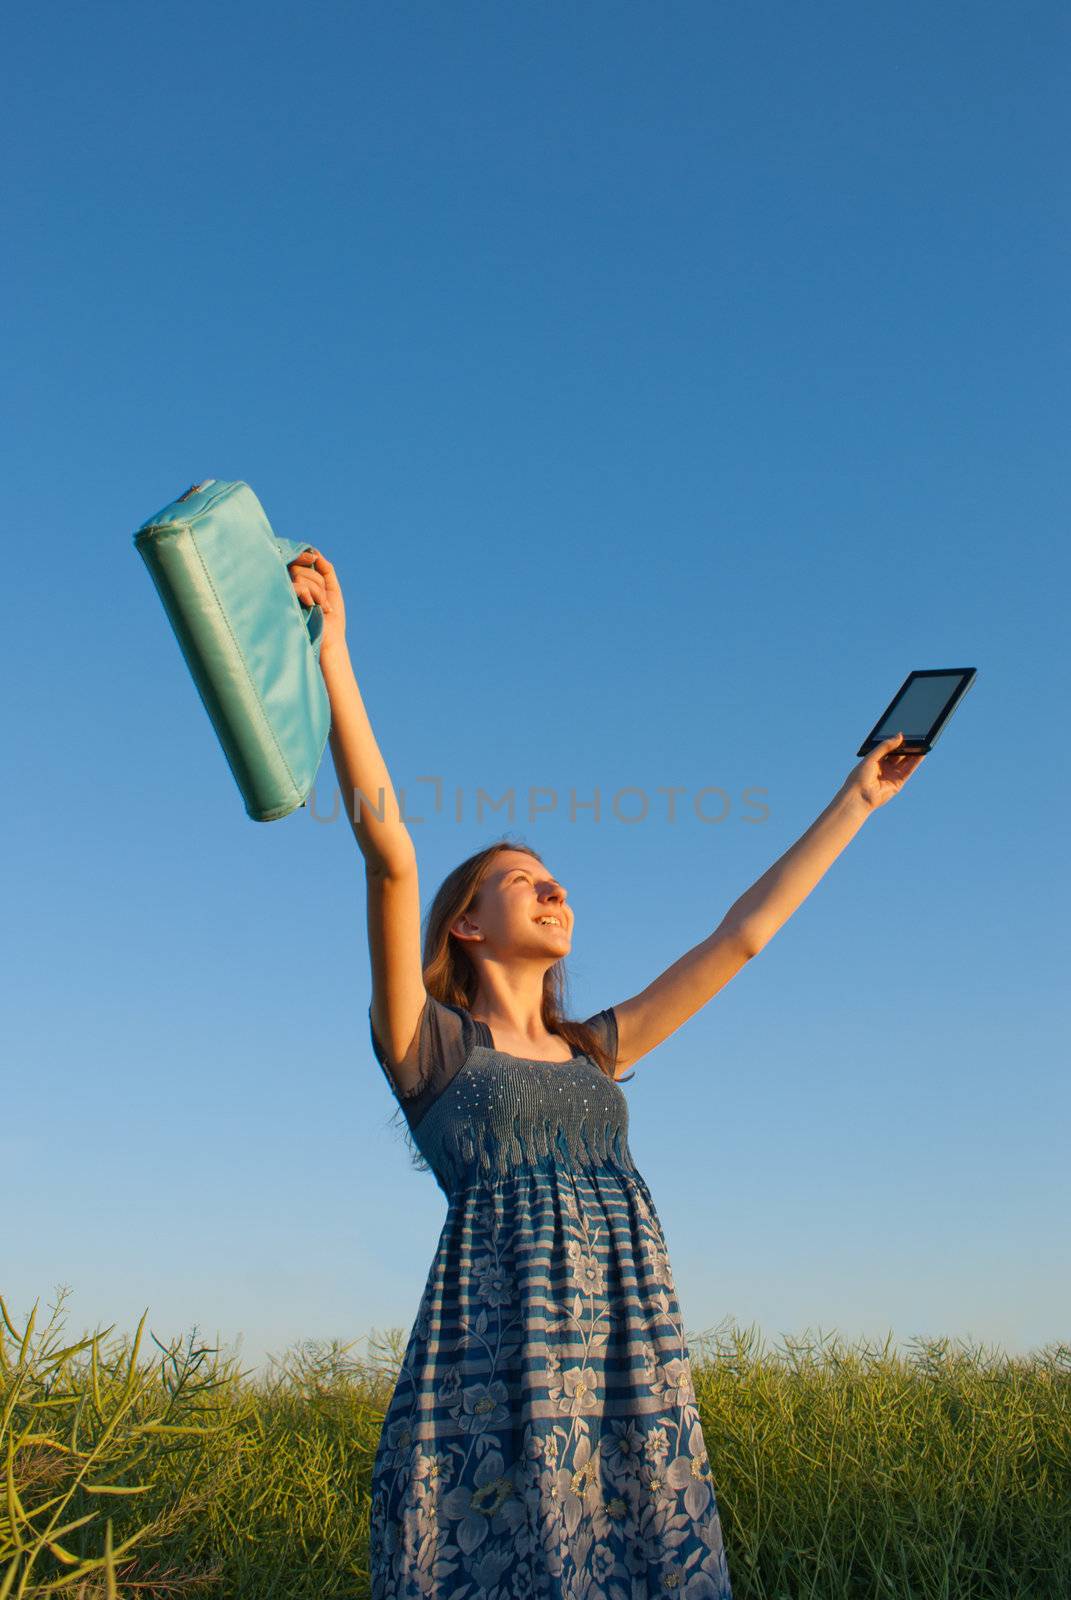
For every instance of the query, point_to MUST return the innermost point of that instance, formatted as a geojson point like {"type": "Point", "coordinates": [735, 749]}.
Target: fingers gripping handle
{"type": "Point", "coordinates": [289, 550]}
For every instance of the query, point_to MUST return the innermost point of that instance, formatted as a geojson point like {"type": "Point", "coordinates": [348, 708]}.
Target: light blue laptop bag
{"type": "Point", "coordinates": [252, 648]}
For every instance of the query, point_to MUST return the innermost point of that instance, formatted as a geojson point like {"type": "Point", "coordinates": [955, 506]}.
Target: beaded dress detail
{"type": "Point", "coordinates": [542, 1441]}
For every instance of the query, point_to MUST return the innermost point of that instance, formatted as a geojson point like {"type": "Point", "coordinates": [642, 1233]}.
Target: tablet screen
{"type": "Point", "coordinates": [921, 707]}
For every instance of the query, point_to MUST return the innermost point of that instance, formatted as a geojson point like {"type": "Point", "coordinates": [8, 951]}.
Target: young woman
{"type": "Point", "coordinates": [542, 1441]}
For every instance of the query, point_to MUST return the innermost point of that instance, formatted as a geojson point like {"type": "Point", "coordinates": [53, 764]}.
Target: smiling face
{"type": "Point", "coordinates": [520, 910]}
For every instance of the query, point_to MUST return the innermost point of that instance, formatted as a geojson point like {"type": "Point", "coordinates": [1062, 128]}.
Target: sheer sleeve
{"type": "Point", "coordinates": [604, 1024]}
{"type": "Point", "coordinates": [447, 1034]}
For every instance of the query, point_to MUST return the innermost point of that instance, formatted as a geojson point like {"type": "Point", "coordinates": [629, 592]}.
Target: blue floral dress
{"type": "Point", "coordinates": [542, 1441]}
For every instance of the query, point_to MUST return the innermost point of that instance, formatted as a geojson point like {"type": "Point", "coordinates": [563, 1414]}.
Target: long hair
{"type": "Point", "coordinates": [451, 977]}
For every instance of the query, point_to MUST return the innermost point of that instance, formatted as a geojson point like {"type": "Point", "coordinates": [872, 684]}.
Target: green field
{"type": "Point", "coordinates": [131, 1468]}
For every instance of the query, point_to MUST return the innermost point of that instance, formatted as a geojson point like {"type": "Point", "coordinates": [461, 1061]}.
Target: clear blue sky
{"type": "Point", "coordinates": [665, 382]}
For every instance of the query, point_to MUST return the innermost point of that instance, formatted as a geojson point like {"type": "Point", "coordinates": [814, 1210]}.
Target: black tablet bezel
{"type": "Point", "coordinates": [966, 677]}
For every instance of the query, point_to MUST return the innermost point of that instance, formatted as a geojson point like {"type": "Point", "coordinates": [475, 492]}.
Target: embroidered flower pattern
{"type": "Point", "coordinates": [543, 1440]}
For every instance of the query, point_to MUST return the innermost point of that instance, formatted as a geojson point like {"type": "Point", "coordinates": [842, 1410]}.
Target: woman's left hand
{"type": "Point", "coordinates": [881, 774]}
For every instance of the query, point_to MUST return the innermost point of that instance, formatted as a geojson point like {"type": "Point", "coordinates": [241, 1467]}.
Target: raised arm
{"type": "Point", "coordinates": [676, 994]}
{"type": "Point", "coordinates": [391, 879]}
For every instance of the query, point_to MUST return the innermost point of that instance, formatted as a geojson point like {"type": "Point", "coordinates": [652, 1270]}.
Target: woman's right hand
{"type": "Point", "coordinates": [315, 583]}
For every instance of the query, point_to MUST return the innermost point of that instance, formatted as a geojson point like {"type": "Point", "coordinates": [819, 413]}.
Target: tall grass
{"type": "Point", "coordinates": [943, 1474]}
{"type": "Point", "coordinates": [842, 1473]}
